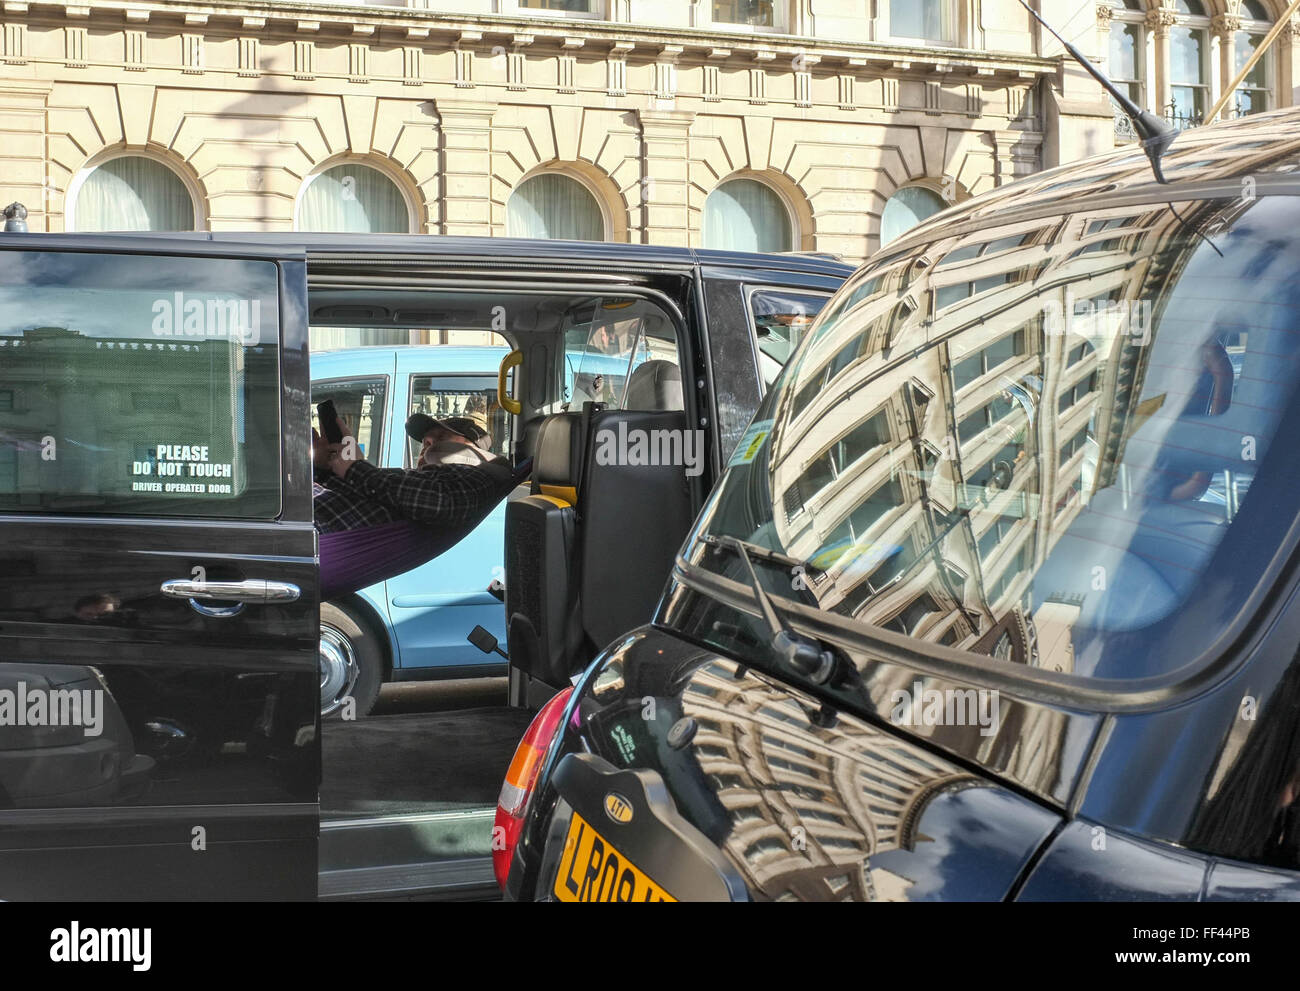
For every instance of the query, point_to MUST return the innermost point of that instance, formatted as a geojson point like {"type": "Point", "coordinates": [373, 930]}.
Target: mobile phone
{"type": "Point", "coordinates": [329, 422]}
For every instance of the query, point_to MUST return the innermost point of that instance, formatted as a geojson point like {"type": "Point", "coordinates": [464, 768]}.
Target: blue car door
{"type": "Point", "coordinates": [434, 607]}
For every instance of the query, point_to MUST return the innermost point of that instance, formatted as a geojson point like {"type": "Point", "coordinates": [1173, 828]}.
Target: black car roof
{"type": "Point", "coordinates": [1263, 148]}
{"type": "Point", "coordinates": [524, 250]}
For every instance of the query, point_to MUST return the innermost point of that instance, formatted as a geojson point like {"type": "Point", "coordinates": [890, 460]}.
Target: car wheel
{"type": "Point", "coordinates": [351, 662]}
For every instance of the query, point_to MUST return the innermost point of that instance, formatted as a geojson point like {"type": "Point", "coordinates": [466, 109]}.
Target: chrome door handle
{"type": "Point", "coordinates": [253, 591]}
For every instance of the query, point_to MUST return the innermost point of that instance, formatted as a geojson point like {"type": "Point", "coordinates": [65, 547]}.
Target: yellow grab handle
{"type": "Point", "coordinates": [513, 360]}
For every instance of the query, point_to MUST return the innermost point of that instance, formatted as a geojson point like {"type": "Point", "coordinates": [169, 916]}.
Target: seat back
{"type": "Point", "coordinates": [540, 556]}
{"type": "Point", "coordinates": [634, 513]}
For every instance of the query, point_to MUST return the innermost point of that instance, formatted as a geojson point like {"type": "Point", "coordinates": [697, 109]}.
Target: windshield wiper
{"type": "Point", "coordinates": [757, 551]}
{"type": "Point", "coordinates": [804, 654]}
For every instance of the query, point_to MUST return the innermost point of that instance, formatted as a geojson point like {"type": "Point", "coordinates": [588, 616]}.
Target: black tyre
{"type": "Point", "coordinates": [351, 661]}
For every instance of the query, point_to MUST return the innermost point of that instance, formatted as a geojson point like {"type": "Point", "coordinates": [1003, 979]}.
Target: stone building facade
{"type": "Point", "coordinates": [820, 117]}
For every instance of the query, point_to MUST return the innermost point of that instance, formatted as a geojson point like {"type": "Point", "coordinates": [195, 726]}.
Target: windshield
{"type": "Point", "coordinates": [1047, 441]}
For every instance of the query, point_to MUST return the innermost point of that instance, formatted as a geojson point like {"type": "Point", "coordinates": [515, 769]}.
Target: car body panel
{"type": "Point", "coordinates": [804, 801]}
{"type": "Point", "coordinates": [224, 706]}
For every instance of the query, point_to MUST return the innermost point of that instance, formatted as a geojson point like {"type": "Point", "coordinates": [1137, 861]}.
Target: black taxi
{"type": "Point", "coordinates": [997, 597]}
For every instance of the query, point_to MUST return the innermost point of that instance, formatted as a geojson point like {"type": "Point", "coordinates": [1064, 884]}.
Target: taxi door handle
{"type": "Point", "coordinates": [252, 591]}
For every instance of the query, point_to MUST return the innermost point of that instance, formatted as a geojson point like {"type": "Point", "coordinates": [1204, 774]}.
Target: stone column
{"type": "Point", "coordinates": [1288, 63]}
{"type": "Point", "coordinates": [1104, 14]}
{"type": "Point", "coordinates": [467, 206]}
{"type": "Point", "coordinates": [24, 175]}
{"type": "Point", "coordinates": [665, 178]}
{"type": "Point", "coordinates": [1158, 23]}
{"type": "Point", "coordinates": [1222, 28]}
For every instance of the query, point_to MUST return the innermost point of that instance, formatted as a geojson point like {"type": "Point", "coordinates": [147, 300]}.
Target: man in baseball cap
{"type": "Point", "coordinates": [451, 440]}
{"type": "Point", "coordinates": [454, 477]}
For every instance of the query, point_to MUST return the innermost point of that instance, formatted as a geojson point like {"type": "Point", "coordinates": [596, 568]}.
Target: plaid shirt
{"type": "Point", "coordinates": [443, 495]}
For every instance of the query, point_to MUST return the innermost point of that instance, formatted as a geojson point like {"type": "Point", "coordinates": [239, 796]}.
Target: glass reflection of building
{"type": "Point", "coordinates": [79, 410]}
{"type": "Point", "coordinates": [809, 806]}
{"type": "Point", "coordinates": [939, 440]}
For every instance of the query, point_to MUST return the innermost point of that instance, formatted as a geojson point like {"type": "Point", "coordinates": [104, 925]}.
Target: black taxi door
{"type": "Point", "coordinates": [756, 316]}
{"type": "Point", "coordinates": [159, 735]}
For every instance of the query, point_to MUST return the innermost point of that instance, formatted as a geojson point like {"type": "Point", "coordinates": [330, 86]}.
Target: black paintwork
{"type": "Point", "coordinates": [216, 719]}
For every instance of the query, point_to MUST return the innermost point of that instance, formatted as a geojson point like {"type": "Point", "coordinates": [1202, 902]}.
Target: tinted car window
{"type": "Point", "coordinates": [138, 385]}
{"type": "Point", "coordinates": [1054, 470]}
{"type": "Point", "coordinates": [781, 319]}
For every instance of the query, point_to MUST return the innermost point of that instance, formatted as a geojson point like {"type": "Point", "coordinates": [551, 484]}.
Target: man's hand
{"type": "Point", "coordinates": [343, 455]}
{"type": "Point", "coordinates": [321, 450]}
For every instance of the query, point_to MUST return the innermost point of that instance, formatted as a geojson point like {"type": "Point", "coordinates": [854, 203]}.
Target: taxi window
{"type": "Point", "coordinates": [1069, 470]}
{"type": "Point", "coordinates": [139, 385]}
{"type": "Point", "coordinates": [781, 318]}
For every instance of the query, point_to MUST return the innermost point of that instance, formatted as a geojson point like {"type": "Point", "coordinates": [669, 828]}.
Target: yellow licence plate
{"type": "Point", "coordinates": [591, 870]}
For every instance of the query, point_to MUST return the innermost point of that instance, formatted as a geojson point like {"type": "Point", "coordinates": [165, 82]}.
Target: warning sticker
{"type": "Point", "coordinates": [750, 444]}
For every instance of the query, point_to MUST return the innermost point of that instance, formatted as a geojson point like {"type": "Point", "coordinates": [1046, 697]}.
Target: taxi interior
{"type": "Point", "coordinates": [583, 364]}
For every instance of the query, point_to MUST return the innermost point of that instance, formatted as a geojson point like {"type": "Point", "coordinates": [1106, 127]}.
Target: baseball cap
{"type": "Point", "coordinates": [419, 424]}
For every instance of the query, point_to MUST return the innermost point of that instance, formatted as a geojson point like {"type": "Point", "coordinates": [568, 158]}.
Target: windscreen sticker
{"type": "Point", "coordinates": [749, 445]}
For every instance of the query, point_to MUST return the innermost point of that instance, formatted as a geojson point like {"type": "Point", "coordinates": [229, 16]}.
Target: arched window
{"type": "Point", "coordinates": [1127, 63]}
{"type": "Point", "coordinates": [1253, 96]}
{"type": "Point", "coordinates": [747, 215]}
{"type": "Point", "coordinates": [353, 199]}
{"type": "Point", "coordinates": [1189, 64]}
{"type": "Point", "coordinates": [907, 208]}
{"type": "Point", "coordinates": [131, 193]}
{"type": "Point", "coordinates": [554, 205]}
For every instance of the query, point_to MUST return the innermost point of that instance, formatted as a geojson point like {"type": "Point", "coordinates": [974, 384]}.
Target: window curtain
{"type": "Point", "coordinates": [554, 206]}
{"type": "Point", "coordinates": [353, 199]}
{"type": "Point", "coordinates": [133, 194]}
{"type": "Point", "coordinates": [924, 20]}
{"type": "Point", "coordinates": [746, 215]}
{"type": "Point", "coordinates": [907, 208]}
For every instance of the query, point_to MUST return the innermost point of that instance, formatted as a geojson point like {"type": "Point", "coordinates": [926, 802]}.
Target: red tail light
{"type": "Point", "coordinates": [520, 779]}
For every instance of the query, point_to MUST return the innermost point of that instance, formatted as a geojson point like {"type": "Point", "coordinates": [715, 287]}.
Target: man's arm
{"type": "Point", "coordinates": [451, 495]}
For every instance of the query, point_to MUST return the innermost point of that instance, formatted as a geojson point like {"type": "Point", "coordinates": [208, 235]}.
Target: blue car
{"type": "Point", "coordinates": [414, 627]}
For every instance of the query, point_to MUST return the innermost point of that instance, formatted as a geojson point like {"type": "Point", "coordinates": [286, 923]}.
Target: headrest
{"type": "Point", "coordinates": [655, 385]}
{"type": "Point", "coordinates": [557, 460]}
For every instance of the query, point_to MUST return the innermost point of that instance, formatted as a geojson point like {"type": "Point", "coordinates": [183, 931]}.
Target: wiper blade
{"type": "Point", "coordinates": [805, 655]}
{"type": "Point", "coordinates": [757, 551]}
{"type": "Point", "coordinates": [1154, 133]}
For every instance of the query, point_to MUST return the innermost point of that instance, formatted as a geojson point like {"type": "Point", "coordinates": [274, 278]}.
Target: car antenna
{"type": "Point", "coordinates": [1153, 132]}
